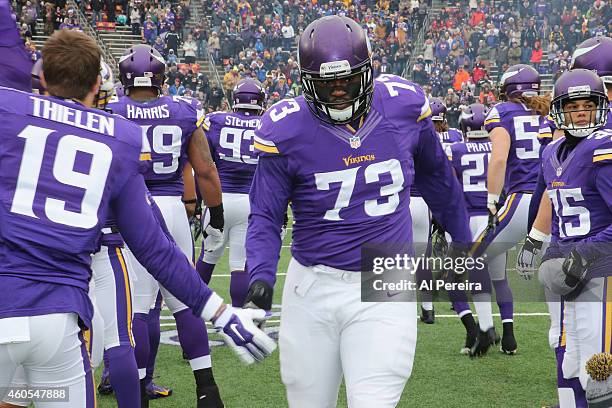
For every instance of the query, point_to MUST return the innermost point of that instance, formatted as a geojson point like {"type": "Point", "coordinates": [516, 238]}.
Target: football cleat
{"type": "Point", "coordinates": [156, 391]}
{"type": "Point", "coordinates": [209, 397]}
{"type": "Point", "coordinates": [508, 343]}
{"type": "Point", "coordinates": [105, 387]}
{"type": "Point", "coordinates": [483, 343]}
{"type": "Point", "coordinates": [428, 316]}
{"type": "Point", "coordinates": [495, 338]}
{"type": "Point", "coordinates": [470, 340]}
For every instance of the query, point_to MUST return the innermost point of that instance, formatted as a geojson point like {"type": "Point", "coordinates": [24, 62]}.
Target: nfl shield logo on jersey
{"type": "Point", "coordinates": [355, 142]}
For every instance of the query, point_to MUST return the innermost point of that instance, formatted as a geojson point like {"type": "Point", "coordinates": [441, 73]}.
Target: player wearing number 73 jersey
{"type": "Point", "coordinates": [345, 154]}
{"type": "Point", "coordinates": [65, 166]}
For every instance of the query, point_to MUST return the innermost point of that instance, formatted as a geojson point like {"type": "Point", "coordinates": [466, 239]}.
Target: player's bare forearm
{"type": "Point", "coordinates": [189, 191]}
{"type": "Point", "coordinates": [544, 217]}
{"type": "Point", "coordinates": [204, 168]}
{"type": "Point", "coordinates": [500, 140]}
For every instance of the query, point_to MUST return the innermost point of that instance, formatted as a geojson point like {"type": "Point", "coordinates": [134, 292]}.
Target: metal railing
{"type": "Point", "coordinates": [89, 30]}
{"type": "Point", "coordinates": [417, 44]}
{"type": "Point", "coordinates": [195, 16]}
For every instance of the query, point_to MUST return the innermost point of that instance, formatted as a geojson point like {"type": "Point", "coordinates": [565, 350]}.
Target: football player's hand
{"type": "Point", "coordinates": [213, 238]}
{"type": "Point", "coordinates": [455, 252]}
{"type": "Point", "coordinates": [240, 331]}
{"type": "Point", "coordinates": [284, 228]}
{"type": "Point", "coordinates": [439, 244]}
{"type": "Point", "coordinates": [575, 268]}
{"type": "Point", "coordinates": [213, 231]}
{"type": "Point", "coordinates": [528, 257]}
{"type": "Point", "coordinates": [259, 296]}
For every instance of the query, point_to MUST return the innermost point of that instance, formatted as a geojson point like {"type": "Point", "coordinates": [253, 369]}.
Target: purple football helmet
{"type": "Point", "coordinates": [595, 54]}
{"type": "Point", "coordinates": [438, 109]}
{"type": "Point", "coordinates": [334, 54]}
{"type": "Point", "coordinates": [142, 66]}
{"type": "Point", "coordinates": [520, 79]}
{"type": "Point", "coordinates": [249, 95]}
{"type": "Point", "coordinates": [36, 72]}
{"type": "Point", "coordinates": [472, 120]}
{"type": "Point", "coordinates": [579, 84]}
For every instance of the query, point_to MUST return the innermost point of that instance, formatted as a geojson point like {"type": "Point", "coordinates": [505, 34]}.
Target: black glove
{"type": "Point", "coordinates": [195, 222]}
{"type": "Point", "coordinates": [528, 257]}
{"type": "Point", "coordinates": [575, 268]}
{"type": "Point", "coordinates": [455, 251]}
{"type": "Point", "coordinates": [216, 217]}
{"type": "Point", "coordinates": [259, 296]}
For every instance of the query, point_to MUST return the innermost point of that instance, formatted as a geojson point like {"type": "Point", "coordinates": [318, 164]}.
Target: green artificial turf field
{"type": "Point", "coordinates": [441, 377]}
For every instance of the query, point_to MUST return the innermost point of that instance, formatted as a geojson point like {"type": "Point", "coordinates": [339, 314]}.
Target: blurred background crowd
{"type": "Point", "coordinates": [462, 49]}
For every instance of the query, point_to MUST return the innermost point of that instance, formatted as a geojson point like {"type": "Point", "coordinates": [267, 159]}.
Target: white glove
{"type": "Point", "coordinates": [239, 330]}
{"type": "Point", "coordinates": [213, 238]}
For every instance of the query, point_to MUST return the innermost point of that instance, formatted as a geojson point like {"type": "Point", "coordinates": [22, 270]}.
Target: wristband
{"type": "Point", "coordinates": [492, 200]}
{"type": "Point", "coordinates": [192, 201]}
{"type": "Point", "coordinates": [213, 304]}
{"type": "Point", "coordinates": [216, 216]}
{"type": "Point", "coordinates": [537, 235]}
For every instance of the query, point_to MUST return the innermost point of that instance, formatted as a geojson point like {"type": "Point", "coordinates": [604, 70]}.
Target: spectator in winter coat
{"type": "Point", "coordinates": [514, 54]}
{"type": "Point", "coordinates": [190, 48]}
{"type": "Point", "coordinates": [536, 55]}
{"type": "Point", "coordinates": [525, 53]}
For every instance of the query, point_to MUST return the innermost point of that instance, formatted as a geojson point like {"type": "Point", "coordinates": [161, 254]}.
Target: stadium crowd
{"type": "Point", "coordinates": [468, 38]}
{"type": "Point", "coordinates": [258, 39]}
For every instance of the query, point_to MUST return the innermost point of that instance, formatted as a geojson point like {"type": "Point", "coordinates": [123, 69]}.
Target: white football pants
{"type": "Point", "coordinates": [327, 332]}
{"type": "Point", "coordinates": [145, 287]}
{"type": "Point", "coordinates": [53, 353]}
{"type": "Point", "coordinates": [236, 210]}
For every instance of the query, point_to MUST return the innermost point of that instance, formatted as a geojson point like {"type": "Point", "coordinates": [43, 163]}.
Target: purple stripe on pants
{"type": "Point", "coordinates": [90, 386]}
{"type": "Point", "coordinates": [123, 299]}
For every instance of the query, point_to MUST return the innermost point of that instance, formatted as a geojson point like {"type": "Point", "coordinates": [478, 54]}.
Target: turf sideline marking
{"type": "Point", "coordinates": [535, 314]}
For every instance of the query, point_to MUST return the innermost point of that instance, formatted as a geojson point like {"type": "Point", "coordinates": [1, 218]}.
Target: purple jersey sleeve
{"type": "Point", "coordinates": [154, 249]}
{"type": "Point", "coordinates": [439, 187]}
{"type": "Point", "coordinates": [545, 132]}
{"type": "Point", "coordinates": [15, 63]}
{"type": "Point", "coordinates": [266, 217]}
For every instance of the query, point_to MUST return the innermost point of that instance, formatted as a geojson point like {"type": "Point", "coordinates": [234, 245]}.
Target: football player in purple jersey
{"type": "Point", "coordinates": [594, 54]}
{"type": "Point", "coordinates": [65, 166]}
{"type": "Point", "coordinates": [470, 161]}
{"type": "Point", "coordinates": [171, 127]}
{"type": "Point", "coordinates": [345, 154]}
{"type": "Point", "coordinates": [15, 63]}
{"type": "Point", "coordinates": [447, 135]}
{"type": "Point", "coordinates": [513, 128]}
{"type": "Point", "coordinates": [230, 137]}
{"type": "Point", "coordinates": [577, 263]}
{"type": "Point", "coordinates": [430, 234]}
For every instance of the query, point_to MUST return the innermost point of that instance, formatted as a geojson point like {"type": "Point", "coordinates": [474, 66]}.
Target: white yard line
{"type": "Point", "coordinates": [535, 314]}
